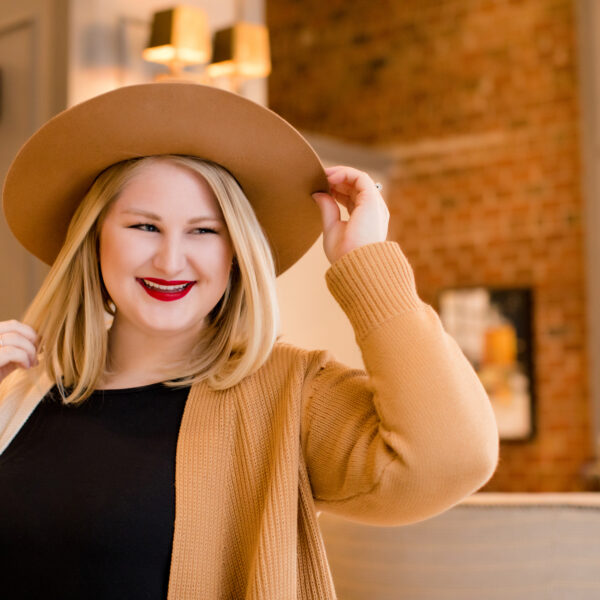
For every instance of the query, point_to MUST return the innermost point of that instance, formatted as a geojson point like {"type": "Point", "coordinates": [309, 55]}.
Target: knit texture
{"type": "Point", "coordinates": [404, 441]}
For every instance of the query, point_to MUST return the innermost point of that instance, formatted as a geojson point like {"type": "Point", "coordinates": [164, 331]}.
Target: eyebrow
{"type": "Point", "coordinates": [155, 217]}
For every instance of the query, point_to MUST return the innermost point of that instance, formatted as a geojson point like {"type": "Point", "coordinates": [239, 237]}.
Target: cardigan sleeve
{"type": "Point", "coordinates": [415, 433]}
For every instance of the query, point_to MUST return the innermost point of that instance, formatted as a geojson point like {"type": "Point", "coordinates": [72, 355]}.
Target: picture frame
{"type": "Point", "coordinates": [493, 327]}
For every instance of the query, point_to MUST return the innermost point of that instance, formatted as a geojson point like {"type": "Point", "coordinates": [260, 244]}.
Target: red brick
{"type": "Point", "coordinates": [504, 214]}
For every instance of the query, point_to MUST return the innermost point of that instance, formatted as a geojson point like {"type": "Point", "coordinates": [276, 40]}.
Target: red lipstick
{"type": "Point", "coordinates": [164, 290]}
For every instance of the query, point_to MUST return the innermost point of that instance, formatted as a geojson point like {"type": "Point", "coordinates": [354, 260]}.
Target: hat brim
{"type": "Point", "coordinates": [276, 167]}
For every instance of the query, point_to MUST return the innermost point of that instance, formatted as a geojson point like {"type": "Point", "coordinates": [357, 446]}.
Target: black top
{"type": "Point", "coordinates": [87, 497]}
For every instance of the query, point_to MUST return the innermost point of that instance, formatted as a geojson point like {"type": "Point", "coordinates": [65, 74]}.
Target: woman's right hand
{"type": "Point", "coordinates": [18, 347]}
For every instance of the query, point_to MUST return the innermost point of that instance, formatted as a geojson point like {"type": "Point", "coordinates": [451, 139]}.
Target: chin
{"type": "Point", "coordinates": [171, 328]}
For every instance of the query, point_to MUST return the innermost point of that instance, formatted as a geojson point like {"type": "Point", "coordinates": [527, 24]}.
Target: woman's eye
{"type": "Point", "coordinates": [204, 230]}
{"type": "Point", "coordinates": [153, 228]}
{"type": "Point", "coordinates": [144, 227]}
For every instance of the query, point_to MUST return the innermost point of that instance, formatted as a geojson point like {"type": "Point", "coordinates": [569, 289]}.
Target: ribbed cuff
{"type": "Point", "coordinates": [372, 284]}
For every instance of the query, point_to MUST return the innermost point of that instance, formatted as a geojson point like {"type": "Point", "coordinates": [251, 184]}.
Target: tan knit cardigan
{"type": "Point", "coordinates": [407, 439]}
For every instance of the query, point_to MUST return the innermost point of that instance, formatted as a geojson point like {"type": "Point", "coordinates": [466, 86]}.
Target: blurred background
{"type": "Point", "coordinates": [480, 119]}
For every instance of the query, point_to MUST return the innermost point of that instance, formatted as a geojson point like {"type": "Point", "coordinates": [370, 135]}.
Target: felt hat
{"type": "Point", "coordinates": [276, 167]}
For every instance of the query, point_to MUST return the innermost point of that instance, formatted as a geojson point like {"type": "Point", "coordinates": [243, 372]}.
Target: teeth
{"type": "Point", "coordinates": [165, 288]}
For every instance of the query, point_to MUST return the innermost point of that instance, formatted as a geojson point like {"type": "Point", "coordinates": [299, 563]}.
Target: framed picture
{"type": "Point", "coordinates": [493, 327]}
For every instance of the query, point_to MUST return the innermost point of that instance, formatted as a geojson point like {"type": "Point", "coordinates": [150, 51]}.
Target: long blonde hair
{"type": "Point", "coordinates": [70, 310]}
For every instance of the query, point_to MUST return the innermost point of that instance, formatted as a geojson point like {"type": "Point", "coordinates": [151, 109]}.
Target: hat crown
{"type": "Point", "coordinates": [276, 167]}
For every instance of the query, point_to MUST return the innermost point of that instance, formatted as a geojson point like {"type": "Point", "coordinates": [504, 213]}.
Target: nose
{"type": "Point", "coordinates": [170, 257]}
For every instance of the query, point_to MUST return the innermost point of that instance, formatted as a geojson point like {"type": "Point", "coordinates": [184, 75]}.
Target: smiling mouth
{"type": "Point", "coordinates": [166, 291]}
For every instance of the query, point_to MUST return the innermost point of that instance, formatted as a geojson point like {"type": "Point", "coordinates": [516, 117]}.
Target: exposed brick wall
{"type": "Point", "coordinates": [478, 101]}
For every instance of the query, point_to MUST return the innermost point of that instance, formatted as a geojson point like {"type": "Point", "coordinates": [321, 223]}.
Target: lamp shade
{"type": "Point", "coordinates": [241, 50]}
{"type": "Point", "coordinates": [180, 35]}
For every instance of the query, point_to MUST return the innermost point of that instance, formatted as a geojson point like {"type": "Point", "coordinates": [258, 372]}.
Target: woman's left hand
{"type": "Point", "coordinates": [369, 215]}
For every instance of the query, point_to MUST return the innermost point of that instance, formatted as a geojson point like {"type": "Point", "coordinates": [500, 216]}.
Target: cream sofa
{"type": "Point", "coordinates": [489, 547]}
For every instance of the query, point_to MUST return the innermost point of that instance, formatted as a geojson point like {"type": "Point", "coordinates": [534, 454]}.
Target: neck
{"type": "Point", "coordinates": [139, 358]}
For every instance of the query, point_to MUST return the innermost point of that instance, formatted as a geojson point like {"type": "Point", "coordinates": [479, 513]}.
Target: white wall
{"type": "Point", "coordinates": [310, 316]}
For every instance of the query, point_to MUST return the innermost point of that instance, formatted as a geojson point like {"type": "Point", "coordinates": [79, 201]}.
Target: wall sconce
{"type": "Point", "coordinates": [179, 37]}
{"type": "Point", "coordinates": [241, 51]}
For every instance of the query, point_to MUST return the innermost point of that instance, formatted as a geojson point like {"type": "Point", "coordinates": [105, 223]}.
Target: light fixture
{"type": "Point", "coordinates": [241, 50]}
{"type": "Point", "coordinates": [179, 37]}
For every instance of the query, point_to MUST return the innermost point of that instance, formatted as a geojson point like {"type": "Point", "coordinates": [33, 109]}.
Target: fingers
{"type": "Point", "coordinates": [367, 210]}
{"type": "Point", "coordinates": [349, 180]}
{"type": "Point", "coordinates": [16, 356]}
{"type": "Point", "coordinates": [351, 187]}
{"type": "Point", "coordinates": [16, 348]}
{"type": "Point", "coordinates": [18, 344]}
{"type": "Point", "coordinates": [330, 211]}
{"type": "Point", "coordinates": [14, 326]}
{"type": "Point", "coordinates": [344, 199]}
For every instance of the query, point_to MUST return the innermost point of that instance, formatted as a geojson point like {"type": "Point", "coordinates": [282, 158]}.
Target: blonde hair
{"type": "Point", "coordinates": [70, 310]}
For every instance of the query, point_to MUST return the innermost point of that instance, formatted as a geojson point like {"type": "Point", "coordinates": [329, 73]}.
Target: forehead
{"type": "Point", "coordinates": [164, 185]}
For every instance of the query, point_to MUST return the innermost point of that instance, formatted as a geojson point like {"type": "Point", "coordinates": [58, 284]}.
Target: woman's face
{"type": "Point", "coordinates": [165, 252]}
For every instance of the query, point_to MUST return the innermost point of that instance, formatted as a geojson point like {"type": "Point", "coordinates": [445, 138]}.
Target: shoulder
{"type": "Point", "coordinates": [288, 366]}
{"type": "Point", "coordinates": [286, 356]}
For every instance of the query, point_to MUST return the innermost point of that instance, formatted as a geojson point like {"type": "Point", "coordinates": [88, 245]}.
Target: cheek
{"type": "Point", "coordinates": [216, 260]}
{"type": "Point", "coordinates": [104, 252]}
{"type": "Point", "coordinates": [214, 272]}
{"type": "Point", "coordinates": [114, 257]}
{"type": "Point", "coordinates": [104, 257]}
{"type": "Point", "coordinates": [225, 266]}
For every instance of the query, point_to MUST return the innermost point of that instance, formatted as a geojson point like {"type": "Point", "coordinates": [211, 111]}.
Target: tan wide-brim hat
{"type": "Point", "coordinates": [276, 167]}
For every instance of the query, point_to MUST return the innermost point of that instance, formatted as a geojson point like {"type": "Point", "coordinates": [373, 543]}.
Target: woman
{"type": "Point", "coordinates": [156, 439]}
